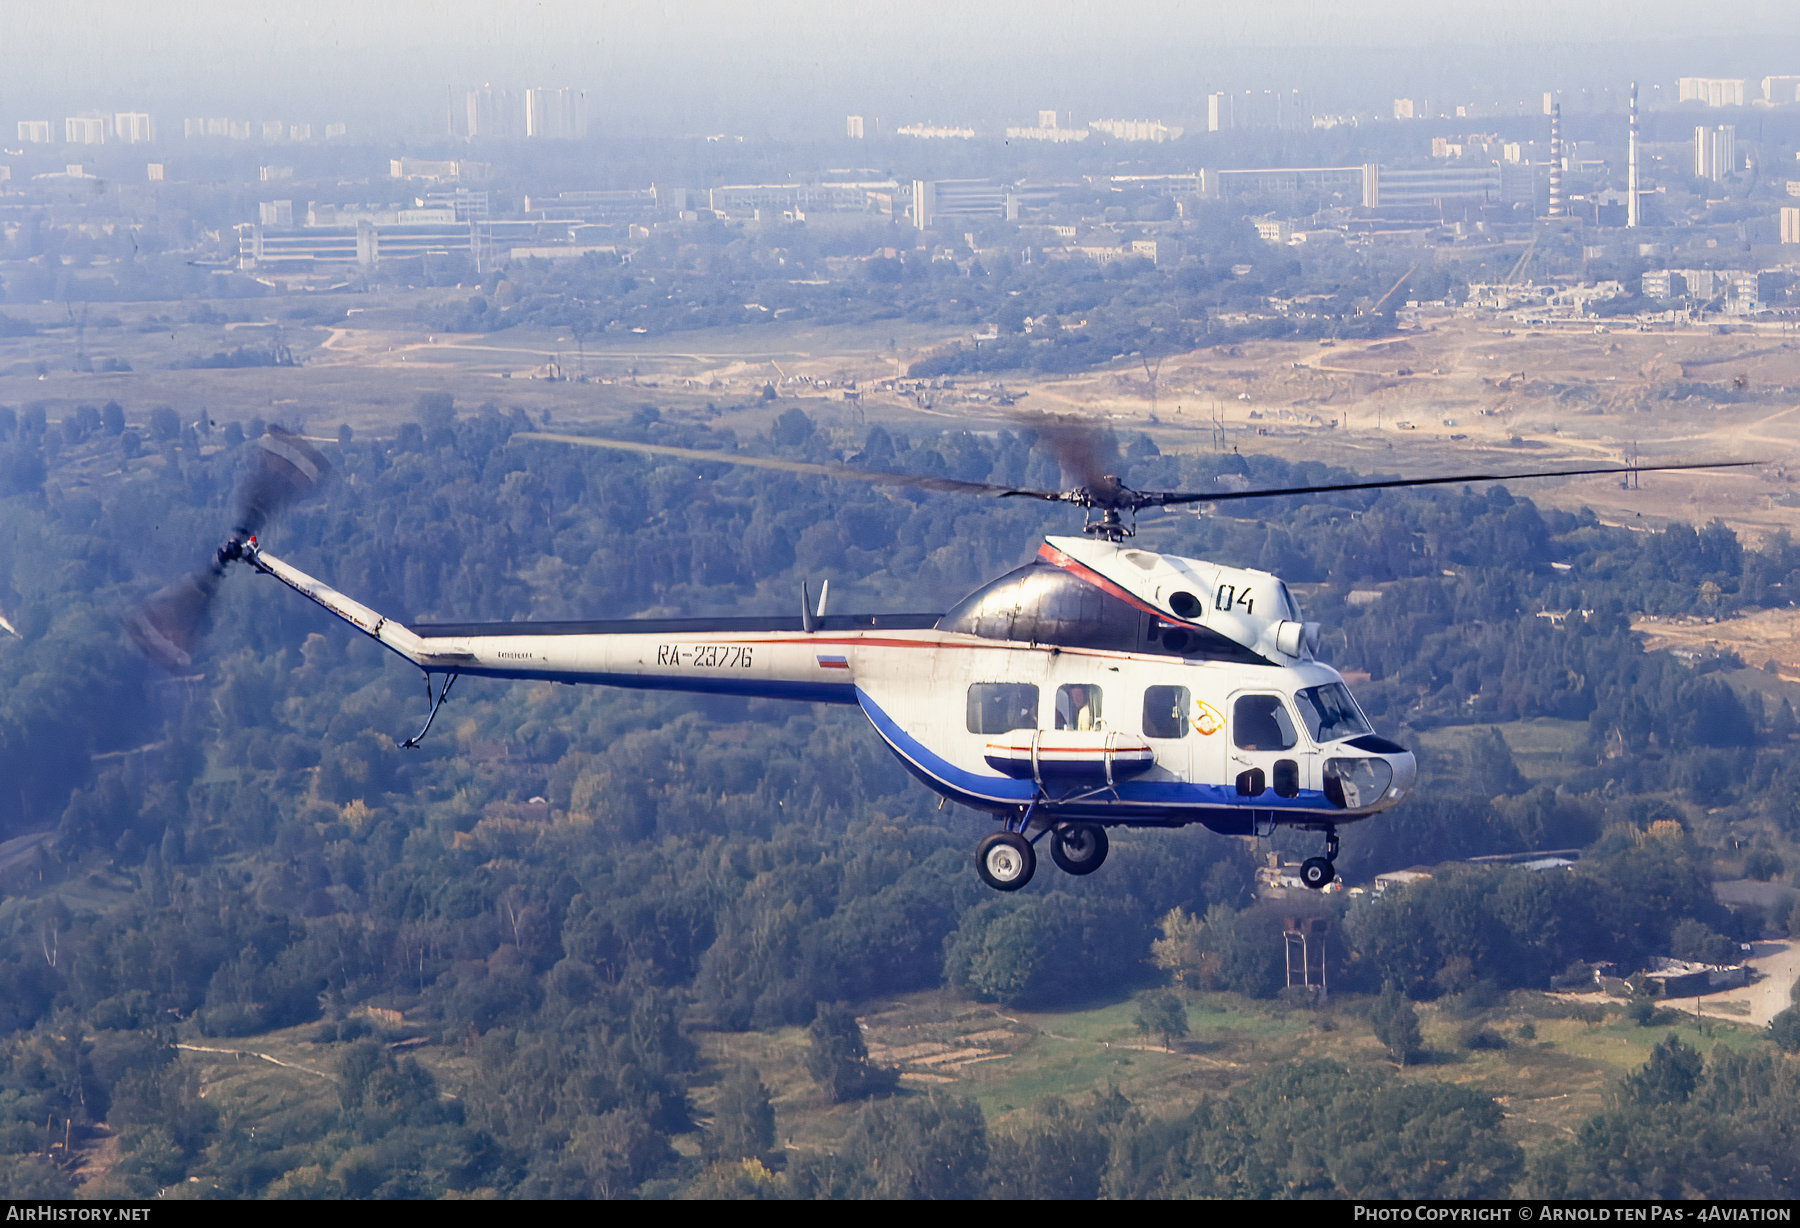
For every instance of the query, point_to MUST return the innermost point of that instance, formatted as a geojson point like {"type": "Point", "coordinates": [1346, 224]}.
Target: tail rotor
{"type": "Point", "coordinates": [167, 625]}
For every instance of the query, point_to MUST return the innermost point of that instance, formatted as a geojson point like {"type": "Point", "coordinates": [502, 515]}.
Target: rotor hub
{"type": "Point", "coordinates": [1108, 524]}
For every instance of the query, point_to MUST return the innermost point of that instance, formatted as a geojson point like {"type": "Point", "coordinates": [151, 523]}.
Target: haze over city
{"type": "Point", "coordinates": [782, 68]}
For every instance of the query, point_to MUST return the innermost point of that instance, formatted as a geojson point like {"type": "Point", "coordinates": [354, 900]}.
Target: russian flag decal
{"type": "Point", "coordinates": [833, 662]}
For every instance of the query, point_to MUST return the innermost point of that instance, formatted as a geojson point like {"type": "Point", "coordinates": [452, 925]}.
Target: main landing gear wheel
{"type": "Point", "coordinates": [1078, 848]}
{"type": "Point", "coordinates": [1005, 861]}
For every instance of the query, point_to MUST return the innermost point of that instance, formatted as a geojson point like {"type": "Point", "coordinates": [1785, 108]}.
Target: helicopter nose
{"type": "Point", "coordinates": [1406, 771]}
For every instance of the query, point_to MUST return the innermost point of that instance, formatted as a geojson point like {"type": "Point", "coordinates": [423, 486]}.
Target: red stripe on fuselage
{"type": "Point", "coordinates": [968, 644]}
{"type": "Point", "coordinates": [1081, 571]}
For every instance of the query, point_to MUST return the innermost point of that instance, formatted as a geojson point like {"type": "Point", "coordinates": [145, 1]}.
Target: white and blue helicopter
{"type": "Point", "coordinates": [1099, 685]}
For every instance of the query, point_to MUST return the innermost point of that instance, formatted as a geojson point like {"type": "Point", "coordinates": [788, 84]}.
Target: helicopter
{"type": "Point", "coordinates": [1099, 685]}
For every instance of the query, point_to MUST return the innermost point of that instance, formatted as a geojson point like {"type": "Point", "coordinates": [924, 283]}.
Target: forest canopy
{"type": "Point", "coordinates": [583, 881]}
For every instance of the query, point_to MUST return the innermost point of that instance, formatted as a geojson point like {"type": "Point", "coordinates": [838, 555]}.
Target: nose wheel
{"type": "Point", "coordinates": [1320, 872]}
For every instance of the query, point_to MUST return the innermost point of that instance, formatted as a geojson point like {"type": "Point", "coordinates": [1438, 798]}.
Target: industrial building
{"type": "Point", "coordinates": [1217, 184]}
{"type": "Point", "coordinates": [1735, 291]}
{"type": "Point", "coordinates": [362, 243]}
{"type": "Point", "coordinates": [943, 199]}
{"type": "Point", "coordinates": [767, 200]}
{"type": "Point", "coordinates": [593, 206]}
{"type": "Point", "coordinates": [753, 200]}
{"type": "Point", "coordinates": [1491, 183]}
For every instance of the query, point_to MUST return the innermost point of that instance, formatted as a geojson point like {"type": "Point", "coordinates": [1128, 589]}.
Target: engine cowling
{"type": "Point", "coordinates": [1292, 637]}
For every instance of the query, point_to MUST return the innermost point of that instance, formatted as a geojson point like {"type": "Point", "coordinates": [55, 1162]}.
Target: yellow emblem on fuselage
{"type": "Point", "coordinates": [1208, 720]}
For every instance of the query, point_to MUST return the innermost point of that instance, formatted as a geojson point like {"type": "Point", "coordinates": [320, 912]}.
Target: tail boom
{"type": "Point", "coordinates": [775, 663]}
{"type": "Point", "coordinates": [427, 654]}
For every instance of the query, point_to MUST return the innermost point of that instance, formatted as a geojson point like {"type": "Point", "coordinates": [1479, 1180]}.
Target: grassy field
{"type": "Point", "coordinates": [1006, 1060]}
{"type": "Point", "coordinates": [1550, 1074]}
{"type": "Point", "coordinates": [1545, 749]}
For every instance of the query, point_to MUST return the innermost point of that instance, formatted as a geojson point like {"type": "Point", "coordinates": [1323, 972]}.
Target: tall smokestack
{"type": "Point", "coordinates": [1631, 167]}
{"type": "Point", "coordinates": [1556, 160]}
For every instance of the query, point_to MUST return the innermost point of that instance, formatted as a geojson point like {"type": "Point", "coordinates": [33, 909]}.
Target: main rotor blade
{"type": "Point", "coordinates": [1168, 498]}
{"type": "Point", "coordinates": [951, 486]}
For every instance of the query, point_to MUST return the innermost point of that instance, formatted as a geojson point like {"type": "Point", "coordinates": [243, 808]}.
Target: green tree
{"type": "Point", "coordinates": [999, 951]}
{"type": "Point", "coordinates": [1693, 939]}
{"type": "Point", "coordinates": [743, 1120]}
{"type": "Point", "coordinates": [927, 1147]}
{"type": "Point", "coordinates": [1245, 950]}
{"type": "Point", "coordinates": [1668, 1077]}
{"type": "Point", "coordinates": [1784, 1029]}
{"type": "Point", "coordinates": [1162, 1013]}
{"type": "Point", "coordinates": [838, 1058]}
{"type": "Point", "coordinates": [1678, 1127]}
{"type": "Point", "coordinates": [1059, 1153]}
{"type": "Point", "coordinates": [1492, 769]}
{"type": "Point", "coordinates": [1317, 1129]}
{"type": "Point", "coordinates": [1180, 950]}
{"type": "Point", "coordinates": [1396, 1024]}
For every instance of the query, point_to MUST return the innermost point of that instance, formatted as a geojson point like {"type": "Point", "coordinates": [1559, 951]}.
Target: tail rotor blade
{"type": "Point", "coordinates": [167, 624]}
{"type": "Point", "coordinates": [285, 468]}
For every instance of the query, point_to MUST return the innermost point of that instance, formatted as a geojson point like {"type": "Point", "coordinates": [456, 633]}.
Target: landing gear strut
{"type": "Point", "coordinates": [1319, 872]}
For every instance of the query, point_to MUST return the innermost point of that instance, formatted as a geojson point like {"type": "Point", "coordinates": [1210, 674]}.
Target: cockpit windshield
{"type": "Point", "coordinates": [1330, 713]}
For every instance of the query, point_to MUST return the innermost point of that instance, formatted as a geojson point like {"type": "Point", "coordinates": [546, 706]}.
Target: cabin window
{"type": "Point", "coordinates": [1078, 707]}
{"type": "Point", "coordinates": [1330, 713]}
{"type": "Point", "coordinates": [1261, 722]}
{"type": "Point", "coordinates": [1000, 707]}
{"type": "Point", "coordinates": [1166, 711]}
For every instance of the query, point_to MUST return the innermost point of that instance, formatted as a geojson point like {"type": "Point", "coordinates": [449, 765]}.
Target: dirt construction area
{"type": "Point", "coordinates": [1446, 395]}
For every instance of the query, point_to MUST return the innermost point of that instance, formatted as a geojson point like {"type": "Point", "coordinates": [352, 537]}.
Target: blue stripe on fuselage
{"type": "Point", "coordinates": [1219, 806]}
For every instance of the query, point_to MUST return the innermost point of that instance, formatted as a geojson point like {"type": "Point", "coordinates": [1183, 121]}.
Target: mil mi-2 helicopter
{"type": "Point", "coordinates": [1099, 685]}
